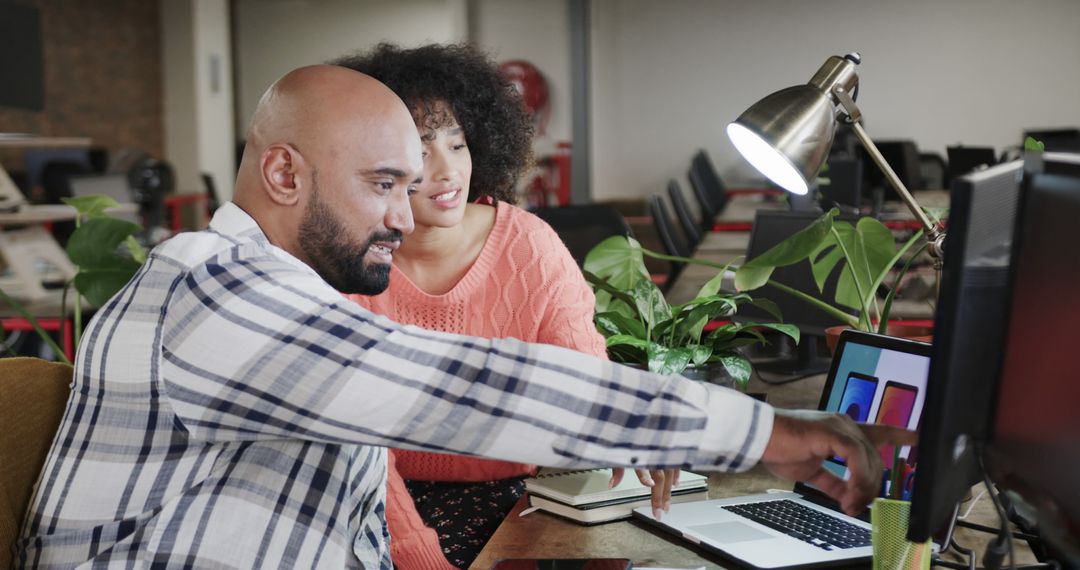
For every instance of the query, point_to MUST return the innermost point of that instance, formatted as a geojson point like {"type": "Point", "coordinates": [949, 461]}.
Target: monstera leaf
{"type": "Point", "coordinates": [100, 249]}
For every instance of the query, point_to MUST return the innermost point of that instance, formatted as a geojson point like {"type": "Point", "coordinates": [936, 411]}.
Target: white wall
{"type": "Point", "coordinates": [214, 94]}
{"type": "Point", "coordinates": [275, 36]}
{"type": "Point", "coordinates": [178, 70]}
{"type": "Point", "coordinates": [537, 32]}
{"type": "Point", "coordinates": [198, 110]}
{"type": "Point", "coordinates": [668, 76]}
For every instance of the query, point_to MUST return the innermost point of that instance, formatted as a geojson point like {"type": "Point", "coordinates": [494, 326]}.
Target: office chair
{"type": "Point", "coordinates": [212, 200]}
{"type": "Point", "coordinates": [33, 396]}
{"type": "Point", "coordinates": [583, 226]}
{"type": "Point", "coordinates": [708, 188]}
{"type": "Point", "coordinates": [691, 229]}
{"type": "Point", "coordinates": [56, 179]}
{"type": "Point", "coordinates": [933, 170]}
{"type": "Point", "coordinates": [965, 159]}
{"type": "Point", "coordinates": [673, 243]}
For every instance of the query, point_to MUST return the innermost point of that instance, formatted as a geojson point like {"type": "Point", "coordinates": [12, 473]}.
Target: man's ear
{"type": "Point", "coordinates": [282, 173]}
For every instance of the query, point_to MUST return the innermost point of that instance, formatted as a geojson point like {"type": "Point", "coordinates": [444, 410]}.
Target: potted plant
{"type": "Point", "coordinates": [866, 253]}
{"type": "Point", "coordinates": [106, 254]}
{"type": "Point", "coordinates": [642, 329]}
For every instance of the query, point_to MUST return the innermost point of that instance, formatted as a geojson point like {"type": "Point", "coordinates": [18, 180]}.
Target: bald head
{"type": "Point", "coordinates": [328, 139]}
{"type": "Point", "coordinates": [313, 108]}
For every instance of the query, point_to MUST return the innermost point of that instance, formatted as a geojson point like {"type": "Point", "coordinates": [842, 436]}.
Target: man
{"type": "Point", "coordinates": [227, 403]}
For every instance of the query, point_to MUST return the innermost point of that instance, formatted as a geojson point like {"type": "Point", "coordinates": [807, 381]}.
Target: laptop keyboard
{"type": "Point", "coordinates": [808, 525]}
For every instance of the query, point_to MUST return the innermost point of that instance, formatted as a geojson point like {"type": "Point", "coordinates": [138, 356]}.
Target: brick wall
{"type": "Point", "coordinates": [103, 76]}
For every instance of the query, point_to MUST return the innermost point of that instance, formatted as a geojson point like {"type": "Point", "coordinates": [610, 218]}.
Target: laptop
{"type": "Point", "coordinates": [873, 378]}
{"type": "Point", "coordinates": [114, 186]}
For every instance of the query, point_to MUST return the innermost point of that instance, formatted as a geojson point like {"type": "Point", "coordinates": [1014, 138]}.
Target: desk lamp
{"type": "Point", "coordinates": [787, 135]}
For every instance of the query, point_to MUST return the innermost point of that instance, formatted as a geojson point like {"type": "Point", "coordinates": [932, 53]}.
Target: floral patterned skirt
{"type": "Point", "coordinates": [465, 515]}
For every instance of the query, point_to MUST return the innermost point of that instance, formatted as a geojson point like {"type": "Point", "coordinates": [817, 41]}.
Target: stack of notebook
{"type": "Point", "coordinates": [584, 495]}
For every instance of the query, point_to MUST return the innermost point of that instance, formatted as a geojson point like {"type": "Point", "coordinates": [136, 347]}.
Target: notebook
{"type": "Point", "coordinates": [872, 378]}
{"type": "Point", "coordinates": [584, 496]}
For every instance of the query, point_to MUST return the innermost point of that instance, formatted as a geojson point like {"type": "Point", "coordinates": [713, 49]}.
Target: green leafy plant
{"type": "Point", "coordinates": [106, 254]}
{"type": "Point", "coordinates": [641, 328]}
{"type": "Point", "coordinates": [866, 253]}
{"type": "Point", "coordinates": [1032, 145]}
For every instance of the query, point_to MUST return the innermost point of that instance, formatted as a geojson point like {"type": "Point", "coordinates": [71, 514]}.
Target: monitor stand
{"type": "Point", "coordinates": [794, 362]}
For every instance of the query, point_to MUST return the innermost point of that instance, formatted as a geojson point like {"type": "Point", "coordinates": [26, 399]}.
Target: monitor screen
{"type": "Point", "coordinates": [965, 159]}
{"type": "Point", "coordinates": [21, 57]}
{"type": "Point", "coordinates": [1035, 449]}
{"type": "Point", "coordinates": [843, 183]}
{"type": "Point", "coordinates": [968, 340]}
{"type": "Point", "coordinates": [881, 382]}
{"type": "Point", "coordinates": [903, 157]}
{"type": "Point", "coordinates": [770, 228]}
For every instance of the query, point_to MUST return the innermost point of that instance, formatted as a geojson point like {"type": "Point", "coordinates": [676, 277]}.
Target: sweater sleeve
{"type": "Point", "coordinates": [412, 544]}
{"type": "Point", "coordinates": [568, 319]}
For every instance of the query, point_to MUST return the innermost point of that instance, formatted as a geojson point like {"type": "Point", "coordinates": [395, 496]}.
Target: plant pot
{"type": "Point", "coordinates": [922, 331]}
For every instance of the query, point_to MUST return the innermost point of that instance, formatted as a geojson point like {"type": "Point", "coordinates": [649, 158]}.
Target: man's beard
{"type": "Point", "coordinates": [340, 263]}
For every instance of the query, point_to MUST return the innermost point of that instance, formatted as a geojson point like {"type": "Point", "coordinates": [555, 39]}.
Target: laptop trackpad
{"type": "Point", "coordinates": [728, 532]}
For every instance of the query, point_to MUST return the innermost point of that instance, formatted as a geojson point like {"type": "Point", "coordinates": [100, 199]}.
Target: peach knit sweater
{"type": "Point", "coordinates": [525, 285]}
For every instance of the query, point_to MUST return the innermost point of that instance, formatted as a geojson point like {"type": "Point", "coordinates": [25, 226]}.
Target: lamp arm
{"type": "Point", "coordinates": [934, 236]}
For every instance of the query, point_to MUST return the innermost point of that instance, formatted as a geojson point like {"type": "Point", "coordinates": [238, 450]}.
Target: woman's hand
{"type": "Point", "coordinates": [659, 480]}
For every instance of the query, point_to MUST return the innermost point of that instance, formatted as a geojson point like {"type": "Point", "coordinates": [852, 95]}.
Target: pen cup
{"type": "Point", "coordinates": [892, 550]}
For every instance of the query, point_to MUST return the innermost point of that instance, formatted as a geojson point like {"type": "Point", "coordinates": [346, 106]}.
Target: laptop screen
{"type": "Point", "coordinates": [877, 379]}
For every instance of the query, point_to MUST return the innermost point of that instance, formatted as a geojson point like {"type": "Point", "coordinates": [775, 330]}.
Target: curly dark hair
{"type": "Point", "coordinates": [488, 108]}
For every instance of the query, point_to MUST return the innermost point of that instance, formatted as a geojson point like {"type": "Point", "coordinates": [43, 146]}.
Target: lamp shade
{"type": "Point", "coordinates": [787, 135]}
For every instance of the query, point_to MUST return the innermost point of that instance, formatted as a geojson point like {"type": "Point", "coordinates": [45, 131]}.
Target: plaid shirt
{"type": "Point", "coordinates": [229, 410]}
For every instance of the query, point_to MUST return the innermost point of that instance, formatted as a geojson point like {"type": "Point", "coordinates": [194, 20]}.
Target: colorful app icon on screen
{"type": "Point", "coordinates": [897, 403]}
{"type": "Point", "coordinates": [858, 395]}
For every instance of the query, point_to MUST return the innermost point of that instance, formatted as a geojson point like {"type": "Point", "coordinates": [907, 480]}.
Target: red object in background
{"type": "Point", "coordinates": [175, 203]}
{"type": "Point", "coordinates": [48, 325]}
{"type": "Point", "coordinates": [532, 87]}
{"type": "Point", "coordinates": [550, 182]}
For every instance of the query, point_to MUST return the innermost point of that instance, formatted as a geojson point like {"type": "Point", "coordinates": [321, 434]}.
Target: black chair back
{"type": "Point", "coordinates": [673, 243]}
{"type": "Point", "coordinates": [965, 159]}
{"type": "Point", "coordinates": [581, 227]}
{"type": "Point", "coordinates": [708, 188]}
{"type": "Point", "coordinates": [212, 200]}
{"type": "Point", "coordinates": [690, 228]}
{"type": "Point", "coordinates": [934, 171]}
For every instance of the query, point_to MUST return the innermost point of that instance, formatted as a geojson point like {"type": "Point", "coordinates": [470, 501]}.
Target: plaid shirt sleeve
{"type": "Point", "coordinates": [301, 362]}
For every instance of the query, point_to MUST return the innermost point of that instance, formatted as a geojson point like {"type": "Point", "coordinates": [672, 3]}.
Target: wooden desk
{"type": "Point", "coordinates": [738, 214]}
{"type": "Point", "coordinates": [541, 535]}
{"type": "Point", "coordinates": [20, 140]}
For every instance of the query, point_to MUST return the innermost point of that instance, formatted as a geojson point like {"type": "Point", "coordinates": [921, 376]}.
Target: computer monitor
{"type": "Point", "coordinates": [965, 159]}
{"type": "Point", "coordinates": [844, 183]}
{"type": "Point", "coordinates": [35, 160]}
{"type": "Point", "coordinates": [1034, 454]}
{"type": "Point", "coordinates": [22, 68]}
{"type": "Point", "coordinates": [770, 228]}
{"type": "Point", "coordinates": [903, 157]}
{"type": "Point", "coordinates": [968, 339]}
{"type": "Point", "coordinates": [1056, 140]}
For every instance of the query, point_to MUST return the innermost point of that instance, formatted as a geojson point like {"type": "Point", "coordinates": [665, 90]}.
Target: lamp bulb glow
{"type": "Point", "coordinates": [766, 159]}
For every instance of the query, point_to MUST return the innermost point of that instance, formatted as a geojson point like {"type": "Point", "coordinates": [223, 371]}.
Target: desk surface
{"type": "Point", "coordinates": [41, 213]}
{"type": "Point", "coordinates": [541, 535]}
{"type": "Point", "coordinates": [46, 308]}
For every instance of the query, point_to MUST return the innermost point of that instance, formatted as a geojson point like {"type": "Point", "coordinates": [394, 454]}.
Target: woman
{"type": "Point", "coordinates": [474, 265]}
